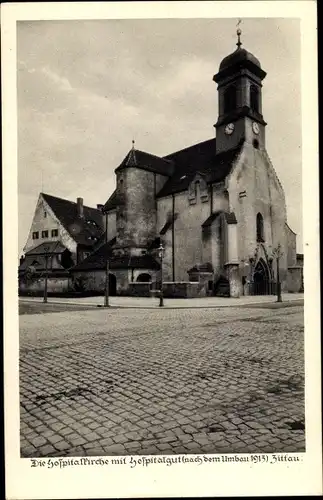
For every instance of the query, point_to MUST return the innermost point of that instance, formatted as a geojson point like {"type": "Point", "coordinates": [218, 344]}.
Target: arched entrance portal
{"type": "Point", "coordinates": [112, 285]}
{"type": "Point", "coordinates": [261, 279]}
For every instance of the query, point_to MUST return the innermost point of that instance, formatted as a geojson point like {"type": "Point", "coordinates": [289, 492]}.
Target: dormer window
{"type": "Point", "coordinates": [230, 99]}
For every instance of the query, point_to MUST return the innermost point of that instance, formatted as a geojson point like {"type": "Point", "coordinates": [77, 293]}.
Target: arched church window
{"type": "Point", "coordinates": [260, 228]}
{"type": "Point", "coordinates": [230, 99]}
{"type": "Point", "coordinates": [254, 98]}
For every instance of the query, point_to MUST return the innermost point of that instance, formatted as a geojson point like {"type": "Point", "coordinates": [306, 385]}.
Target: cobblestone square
{"type": "Point", "coordinates": [162, 381]}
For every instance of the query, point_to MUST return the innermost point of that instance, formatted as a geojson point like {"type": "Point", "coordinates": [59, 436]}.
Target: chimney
{"type": "Point", "coordinates": [79, 203]}
{"type": "Point", "coordinates": [100, 206]}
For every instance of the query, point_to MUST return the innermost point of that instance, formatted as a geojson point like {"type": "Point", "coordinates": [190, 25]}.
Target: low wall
{"type": "Point", "coordinates": [139, 289]}
{"type": "Point", "coordinates": [184, 289]}
{"type": "Point", "coordinates": [36, 287]}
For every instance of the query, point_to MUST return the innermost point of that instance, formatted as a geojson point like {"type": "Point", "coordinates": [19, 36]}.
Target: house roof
{"type": "Point", "coordinates": [111, 203]}
{"type": "Point", "coordinates": [147, 161]}
{"type": "Point", "coordinates": [97, 260]}
{"type": "Point", "coordinates": [200, 158]}
{"type": "Point", "coordinates": [85, 230]}
{"type": "Point", "coordinates": [38, 262]}
{"type": "Point", "coordinates": [48, 247]}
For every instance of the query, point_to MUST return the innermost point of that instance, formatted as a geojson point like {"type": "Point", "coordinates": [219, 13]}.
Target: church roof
{"type": "Point", "coordinates": [85, 230]}
{"type": "Point", "coordinates": [147, 161]}
{"type": "Point", "coordinates": [200, 158]}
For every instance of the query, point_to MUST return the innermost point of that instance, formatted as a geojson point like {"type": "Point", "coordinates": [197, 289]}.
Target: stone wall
{"type": "Point", "coordinates": [291, 246]}
{"type": "Point", "coordinates": [294, 279]}
{"type": "Point", "coordinates": [140, 289]}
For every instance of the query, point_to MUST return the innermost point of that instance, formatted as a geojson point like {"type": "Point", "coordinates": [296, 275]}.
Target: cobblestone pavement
{"type": "Point", "coordinates": [122, 382]}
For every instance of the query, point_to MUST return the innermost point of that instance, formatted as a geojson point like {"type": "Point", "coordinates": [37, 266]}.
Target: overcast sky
{"type": "Point", "coordinates": [87, 88]}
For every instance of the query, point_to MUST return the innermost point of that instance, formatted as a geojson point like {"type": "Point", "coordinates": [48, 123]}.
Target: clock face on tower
{"type": "Point", "coordinates": [255, 127]}
{"type": "Point", "coordinates": [229, 129]}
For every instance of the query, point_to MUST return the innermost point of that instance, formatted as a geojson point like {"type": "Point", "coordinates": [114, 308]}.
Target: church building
{"type": "Point", "coordinates": [206, 220]}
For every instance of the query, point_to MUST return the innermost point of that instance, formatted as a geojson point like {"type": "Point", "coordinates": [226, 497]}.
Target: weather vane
{"type": "Point", "coordinates": [239, 33]}
{"type": "Point", "coordinates": [133, 144]}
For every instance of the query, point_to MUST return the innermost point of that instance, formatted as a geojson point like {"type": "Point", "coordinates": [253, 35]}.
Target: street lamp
{"type": "Point", "coordinates": [107, 270]}
{"type": "Point", "coordinates": [277, 253]}
{"type": "Point", "coordinates": [46, 250]}
{"type": "Point", "coordinates": [161, 251]}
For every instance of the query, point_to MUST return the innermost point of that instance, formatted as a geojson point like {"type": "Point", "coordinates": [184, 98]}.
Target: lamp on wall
{"type": "Point", "coordinates": [107, 264]}
{"type": "Point", "coordinates": [277, 253]}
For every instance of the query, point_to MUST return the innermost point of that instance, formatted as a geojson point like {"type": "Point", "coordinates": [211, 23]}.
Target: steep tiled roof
{"type": "Point", "coordinates": [85, 230]}
{"type": "Point", "coordinates": [147, 161]}
{"type": "Point", "coordinates": [201, 158]}
{"type": "Point", "coordinates": [97, 259]}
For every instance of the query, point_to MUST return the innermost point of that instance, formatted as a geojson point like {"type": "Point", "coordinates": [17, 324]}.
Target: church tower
{"type": "Point", "coordinates": [240, 104]}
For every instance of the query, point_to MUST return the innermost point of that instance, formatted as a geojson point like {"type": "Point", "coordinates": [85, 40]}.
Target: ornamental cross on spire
{"type": "Point", "coordinates": [239, 33]}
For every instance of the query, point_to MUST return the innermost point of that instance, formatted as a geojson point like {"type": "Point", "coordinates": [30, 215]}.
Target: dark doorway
{"type": "Point", "coordinates": [261, 279]}
{"type": "Point", "coordinates": [112, 285]}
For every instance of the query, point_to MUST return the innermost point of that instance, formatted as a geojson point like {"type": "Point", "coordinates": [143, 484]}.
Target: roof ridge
{"type": "Point", "coordinates": [188, 147]}
{"type": "Point", "coordinates": [69, 201]}
{"type": "Point", "coordinates": [154, 156]}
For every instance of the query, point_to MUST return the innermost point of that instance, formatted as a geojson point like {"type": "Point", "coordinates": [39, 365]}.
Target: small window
{"type": "Point", "coordinates": [255, 143]}
{"type": "Point", "coordinates": [54, 232]}
{"type": "Point", "coordinates": [45, 215]}
{"type": "Point", "coordinates": [35, 235]}
{"type": "Point", "coordinates": [260, 228]}
{"type": "Point", "coordinates": [254, 98]}
{"type": "Point", "coordinates": [230, 99]}
{"type": "Point", "coordinates": [44, 234]}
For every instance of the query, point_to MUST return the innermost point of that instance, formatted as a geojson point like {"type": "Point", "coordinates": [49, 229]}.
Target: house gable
{"type": "Point", "coordinates": [45, 220]}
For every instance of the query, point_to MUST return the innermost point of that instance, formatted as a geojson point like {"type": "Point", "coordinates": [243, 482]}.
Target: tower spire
{"type": "Point", "coordinates": [239, 43]}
